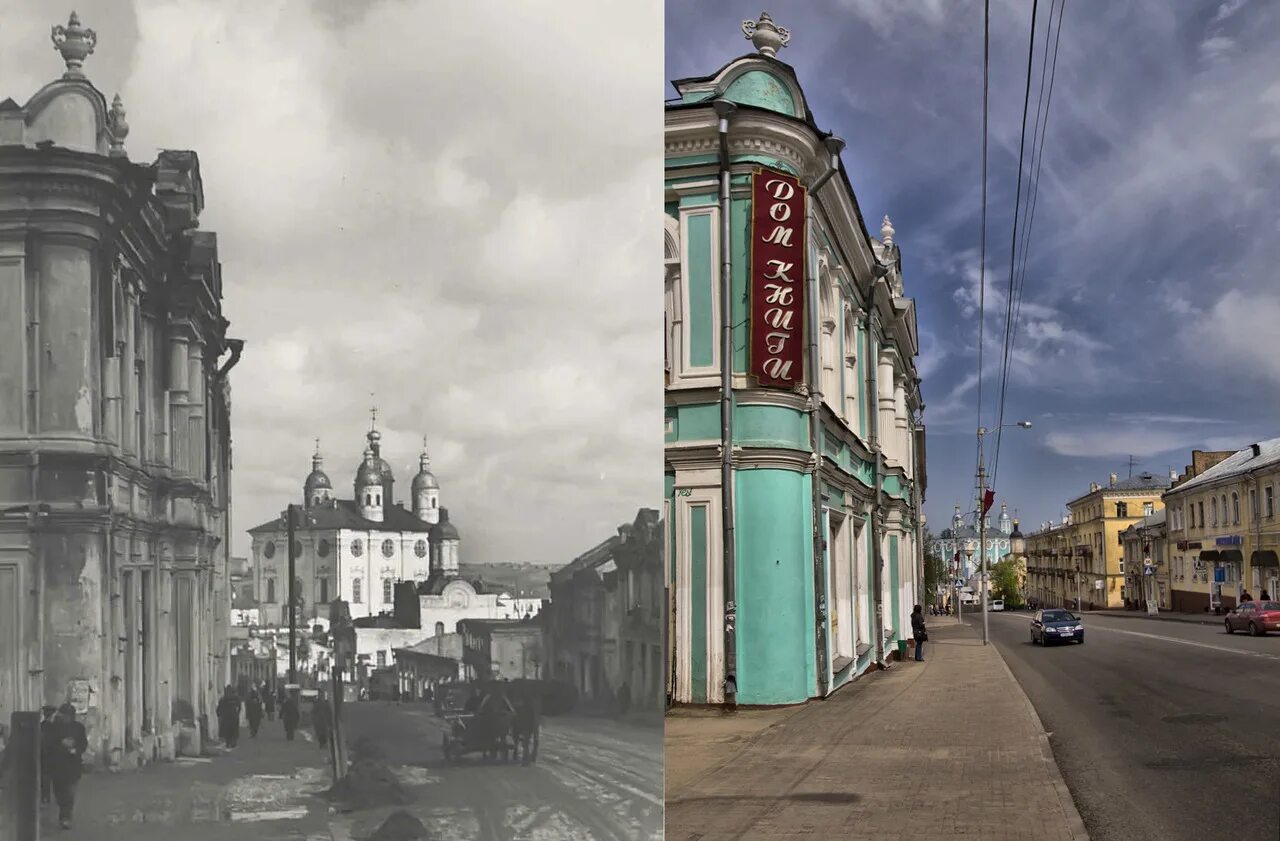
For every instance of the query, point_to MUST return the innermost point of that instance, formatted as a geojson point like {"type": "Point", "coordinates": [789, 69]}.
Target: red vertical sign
{"type": "Point", "coordinates": [777, 279]}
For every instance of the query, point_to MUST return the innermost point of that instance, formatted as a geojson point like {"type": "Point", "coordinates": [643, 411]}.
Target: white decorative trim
{"type": "Point", "coordinates": [684, 368]}
{"type": "Point", "coordinates": [772, 397]}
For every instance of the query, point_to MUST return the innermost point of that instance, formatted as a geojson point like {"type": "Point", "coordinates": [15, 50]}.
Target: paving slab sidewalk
{"type": "Point", "coordinates": [263, 788]}
{"type": "Point", "coordinates": [948, 748]}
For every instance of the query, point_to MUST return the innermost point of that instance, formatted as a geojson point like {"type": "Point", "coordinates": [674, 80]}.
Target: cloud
{"type": "Point", "coordinates": [1217, 48]}
{"type": "Point", "coordinates": [457, 226]}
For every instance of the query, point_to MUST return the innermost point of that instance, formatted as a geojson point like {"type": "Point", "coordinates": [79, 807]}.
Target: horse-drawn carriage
{"type": "Point", "coordinates": [496, 730]}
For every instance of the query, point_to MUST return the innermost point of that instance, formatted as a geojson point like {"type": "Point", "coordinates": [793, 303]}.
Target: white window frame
{"type": "Point", "coordinates": [714, 595]}
{"type": "Point", "coordinates": [686, 374]}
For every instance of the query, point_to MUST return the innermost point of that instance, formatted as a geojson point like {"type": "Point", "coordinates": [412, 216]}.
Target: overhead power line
{"type": "Point", "coordinates": [1013, 242]}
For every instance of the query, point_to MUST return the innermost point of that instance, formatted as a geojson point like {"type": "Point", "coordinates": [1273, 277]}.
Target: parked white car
{"type": "Point", "coordinates": [997, 604]}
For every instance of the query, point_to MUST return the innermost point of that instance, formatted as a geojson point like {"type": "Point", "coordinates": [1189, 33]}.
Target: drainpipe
{"type": "Point", "coordinates": [724, 110]}
{"type": "Point", "coordinates": [834, 146]}
{"type": "Point", "coordinates": [873, 388]}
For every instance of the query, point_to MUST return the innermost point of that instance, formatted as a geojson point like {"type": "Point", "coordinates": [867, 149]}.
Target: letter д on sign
{"type": "Point", "coordinates": [777, 279]}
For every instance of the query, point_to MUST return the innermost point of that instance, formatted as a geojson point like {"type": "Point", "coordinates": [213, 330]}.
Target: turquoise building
{"type": "Point", "coordinates": [795, 553]}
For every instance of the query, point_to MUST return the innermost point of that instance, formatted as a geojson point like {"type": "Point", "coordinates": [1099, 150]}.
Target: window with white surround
{"type": "Point", "coordinates": [1269, 501]}
{"type": "Point", "coordinates": [1253, 503]}
{"type": "Point", "coordinates": [1213, 508]}
{"type": "Point", "coordinates": [1235, 508]}
{"type": "Point", "coordinates": [851, 372]}
{"type": "Point", "coordinates": [1148, 508]}
{"type": "Point", "coordinates": [695, 322]}
{"type": "Point", "coordinates": [356, 586]}
{"type": "Point", "coordinates": [828, 303]}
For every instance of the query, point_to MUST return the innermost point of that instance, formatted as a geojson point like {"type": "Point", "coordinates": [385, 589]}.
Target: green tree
{"type": "Point", "coordinates": [935, 570]}
{"type": "Point", "coordinates": [1004, 582]}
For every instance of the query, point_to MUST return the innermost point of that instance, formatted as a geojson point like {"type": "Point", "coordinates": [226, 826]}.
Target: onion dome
{"type": "Point", "coordinates": [425, 480]}
{"type": "Point", "coordinates": [444, 530]}
{"type": "Point", "coordinates": [317, 479]}
{"type": "Point", "coordinates": [374, 470]}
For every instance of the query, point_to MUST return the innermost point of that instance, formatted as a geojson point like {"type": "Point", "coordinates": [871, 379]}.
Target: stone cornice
{"type": "Point", "coordinates": [771, 397]}
{"type": "Point", "coordinates": [695, 132]}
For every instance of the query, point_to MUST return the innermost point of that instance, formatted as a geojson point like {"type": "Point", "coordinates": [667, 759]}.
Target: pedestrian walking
{"type": "Point", "coordinates": [289, 716]}
{"type": "Point", "coordinates": [321, 719]}
{"type": "Point", "coordinates": [253, 712]}
{"type": "Point", "coordinates": [268, 703]}
{"type": "Point", "coordinates": [229, 717]}
{"type": "Point", "coordinates": [1245, 597]}
{"type": "Point", "coordinates": [919, 631]}
{"type": "Point", "coordinates": [48, 745]}
{"type": "Point", "coordinates": [66, 766]}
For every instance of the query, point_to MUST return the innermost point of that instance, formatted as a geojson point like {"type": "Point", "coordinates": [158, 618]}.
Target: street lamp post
{"type": "Point", "coordinates": [982, 522]}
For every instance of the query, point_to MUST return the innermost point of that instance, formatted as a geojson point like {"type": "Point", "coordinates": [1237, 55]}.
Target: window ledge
{"type": "Point", "coordinates": [862, 649]}
{"type": "Point", "coordinates": [841, 663]}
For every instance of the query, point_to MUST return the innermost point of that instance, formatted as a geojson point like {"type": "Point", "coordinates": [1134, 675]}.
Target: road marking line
{"type": "Point", "coordinates": [1222, 648]}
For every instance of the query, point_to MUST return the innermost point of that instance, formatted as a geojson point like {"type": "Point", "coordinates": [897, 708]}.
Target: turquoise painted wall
{"type": "Point", "coordinates": [769, 426]}
{"type": "Point", "coordinates": [698, 606]}
{"type": "Point", "coordinates": [775, 587]}
{"type": "Point", "coordinates": [698, 422]}
{"type": "Point", "coordinates": [894, 582]}
{"type": "Point", "coordinates": [756, 87]}
{"type": "Point", "coordinates": [701, 325]}
{"type": "Point", "coordinates": [740, 233]}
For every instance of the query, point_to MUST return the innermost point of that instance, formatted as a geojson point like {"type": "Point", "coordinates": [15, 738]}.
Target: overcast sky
{"type": "Point", "coordinates": [1151, 293]}
{"type": "Point", "coordinates": [446, 208]}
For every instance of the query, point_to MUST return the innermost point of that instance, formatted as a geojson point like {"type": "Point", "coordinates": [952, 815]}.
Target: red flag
{"type": "Point", "coordinates": [988, 497]}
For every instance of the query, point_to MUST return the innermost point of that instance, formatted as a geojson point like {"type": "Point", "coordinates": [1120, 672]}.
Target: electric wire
{"type": "Point", "coordinates": [982, 247]}
{"type": "Point", "coordinates": [1013, 241]}
{"type": "Point", "coordinates": [1037, 162]}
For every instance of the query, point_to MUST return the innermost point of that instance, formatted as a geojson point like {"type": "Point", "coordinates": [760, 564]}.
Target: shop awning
{"type": "Point", "coordinates": [1264, 558]}
{"type": "Point", "coordinates": [1231, 556]}
{"type": "Point", "coordinates": [1209, 555]}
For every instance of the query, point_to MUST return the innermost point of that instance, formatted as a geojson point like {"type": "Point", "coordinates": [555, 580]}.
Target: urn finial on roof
{"type": "Point", "coordinates": [765, 35]}
{"type": "Point", "coordinates": [75, 43]}
{"type": "Point", "coordinates": [118, 126]}
{"type": "Point", "coordinates": [886, 232]}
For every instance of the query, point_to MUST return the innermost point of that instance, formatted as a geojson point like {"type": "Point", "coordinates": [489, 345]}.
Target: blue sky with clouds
{"type": "Point", "coordinates": [1150, 295]}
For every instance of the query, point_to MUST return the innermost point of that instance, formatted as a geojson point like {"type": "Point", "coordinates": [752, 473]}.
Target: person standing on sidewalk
{"type": "Point", "coordinates": [919, 631]}
{"type": "Point", "coordinates": [65, 766]}
{"type": "Point", "coordinates": [253, 712]}
{"type": "Point", "coordinates": [289, 716]}
{"type": "Point", "coordinates": [321, 720]}
{"type": "Point", "coordinates": [268, 702]}
{"type": "Point", "coordinates": [229, 717]}
{"type": "Point", "coordinates": [48, 746]}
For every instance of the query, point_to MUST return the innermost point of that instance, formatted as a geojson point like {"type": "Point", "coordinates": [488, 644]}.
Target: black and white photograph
{"type": "Point", "coordinates": [331, 498]}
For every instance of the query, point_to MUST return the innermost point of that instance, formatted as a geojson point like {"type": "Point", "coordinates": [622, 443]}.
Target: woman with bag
{"type": "Point", "coordinates": [919, 631]}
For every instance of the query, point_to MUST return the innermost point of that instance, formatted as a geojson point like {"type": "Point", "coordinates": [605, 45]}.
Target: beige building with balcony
{"type": "Point", "coordinates": [1080, 560]}
{"type": "Point", "coordinates": [1225, 530]}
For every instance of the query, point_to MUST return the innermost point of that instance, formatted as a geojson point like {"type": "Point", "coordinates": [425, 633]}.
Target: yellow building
{"type": "Point", "coordinates": [1080, 560]}
{"type": "Point", "coordinates": [1098, 517]}
{"type": "Point", "coordinates": [1227, 536]}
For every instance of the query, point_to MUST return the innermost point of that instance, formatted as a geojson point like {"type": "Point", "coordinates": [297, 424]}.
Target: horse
{"type": "Point", "coordinates": [524, 730]}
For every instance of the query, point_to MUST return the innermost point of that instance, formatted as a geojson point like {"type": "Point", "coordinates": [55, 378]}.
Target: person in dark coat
{"type": "Point", "coordinates": [268, 703]}
{"type": "Point", "coordinates": [321, 719]}
{"type": "Point", "coordinates": [48, 744]}
{"type": "Point", "coordinates": [919, 631]}
{"type": "Point", "coordinates": [289, 716]}
{"type": "Point", "coordinates": [65, 766]}
{"type": "Point", "coordinates": [229, 717]}
{"type": "Point", "coordinates": [253, 712]}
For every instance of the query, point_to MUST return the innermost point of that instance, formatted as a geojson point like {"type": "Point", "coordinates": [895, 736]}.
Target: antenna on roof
{"type": "Point", "coordinates": [1132, 462]}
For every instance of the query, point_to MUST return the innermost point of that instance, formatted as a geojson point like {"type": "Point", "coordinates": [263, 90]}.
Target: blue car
{"type": "Point", "coordinates": [1056, 625]}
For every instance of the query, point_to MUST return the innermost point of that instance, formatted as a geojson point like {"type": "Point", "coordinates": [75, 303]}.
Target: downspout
{"type": "Point", "coordinates": [724, 110]}
{"type": "Point", "coordinates": [873, 389]}
{"type": "Point", "coordinates": [834, 146]}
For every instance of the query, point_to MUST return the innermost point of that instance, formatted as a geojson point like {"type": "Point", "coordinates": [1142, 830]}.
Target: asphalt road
{"type": "Point", "coordinates": [1163, 730]}
{"type": "Point", "coordinates": [594, 779]}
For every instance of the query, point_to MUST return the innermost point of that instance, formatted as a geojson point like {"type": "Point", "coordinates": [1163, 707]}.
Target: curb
{"type": "Point", "coordinates": [1185, 621]}
{"type": "Point", "coordinates": [1075, 823]}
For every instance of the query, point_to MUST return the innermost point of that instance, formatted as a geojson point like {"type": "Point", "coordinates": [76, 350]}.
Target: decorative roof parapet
{"type": "Point", "coordinates": [765, 35]}
{"type": "Point", "coordinates": [117, 127]}
{"type": "Point", "coordinates": [75, 43]}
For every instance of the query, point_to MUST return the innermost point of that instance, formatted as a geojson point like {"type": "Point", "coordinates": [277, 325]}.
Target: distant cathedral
{"type": "Point", "coordinates": [962, 536]}
{"type": "Point", "coordinates": [356, 549]}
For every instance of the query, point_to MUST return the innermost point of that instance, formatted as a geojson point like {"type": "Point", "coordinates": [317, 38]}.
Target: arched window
{"type": "Point", "coordinates": [1224, 509]}
{"type": "Point", "coordinates": [324, 591]}
{"type": "Point", "coordinates": [671, 294]}
{"type": "Point", "coordinates": [368, 499]}
{"type": "Point", "coordinates": [388, 590]}
{"type": "Point", "coordinates": [851, 371]}
{"type": "Point", "coordinates": [271, 591]}
{"type": "Point", "coordinates": [356, 587]}
{"type": "Point", "coordinates": [1213, 509]}
{"type": "Point", "coordinates": [1200, 504]}
{"type": "Point", "coordinates": [828, 304]}
{"type": "Point", "coordinates": [439, 629]}
{"type": "Point", "coordinates": [1235, 508]}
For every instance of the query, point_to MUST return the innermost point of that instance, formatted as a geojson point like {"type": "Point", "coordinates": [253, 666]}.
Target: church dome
{"type": "Point", "coordinates": [318, 480]}
{"type": "Point", "coordinates": [372, 471]}
{"type": "Point", "coordinates": [444, 530]}
{"type": "Point", "coordinates": [425, 480]}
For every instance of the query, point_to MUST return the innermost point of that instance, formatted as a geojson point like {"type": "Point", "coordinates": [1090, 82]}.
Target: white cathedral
{"type": "Point", "coordinates": [355, 549]}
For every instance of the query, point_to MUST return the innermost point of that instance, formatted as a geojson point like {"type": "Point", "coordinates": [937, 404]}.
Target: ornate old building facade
{"type": "Point", "coordinates": [115, 444]}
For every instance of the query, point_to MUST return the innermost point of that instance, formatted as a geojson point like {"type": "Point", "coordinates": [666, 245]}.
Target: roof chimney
{"type": "Point", "coordinates": [1094, 486]}
{"type": "Point", "coordinates": [1257, 450]}
{"type": "Point", "coordinates": [1173, 475]}
{"type": "Point", "coordinates": [1114, 479]}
